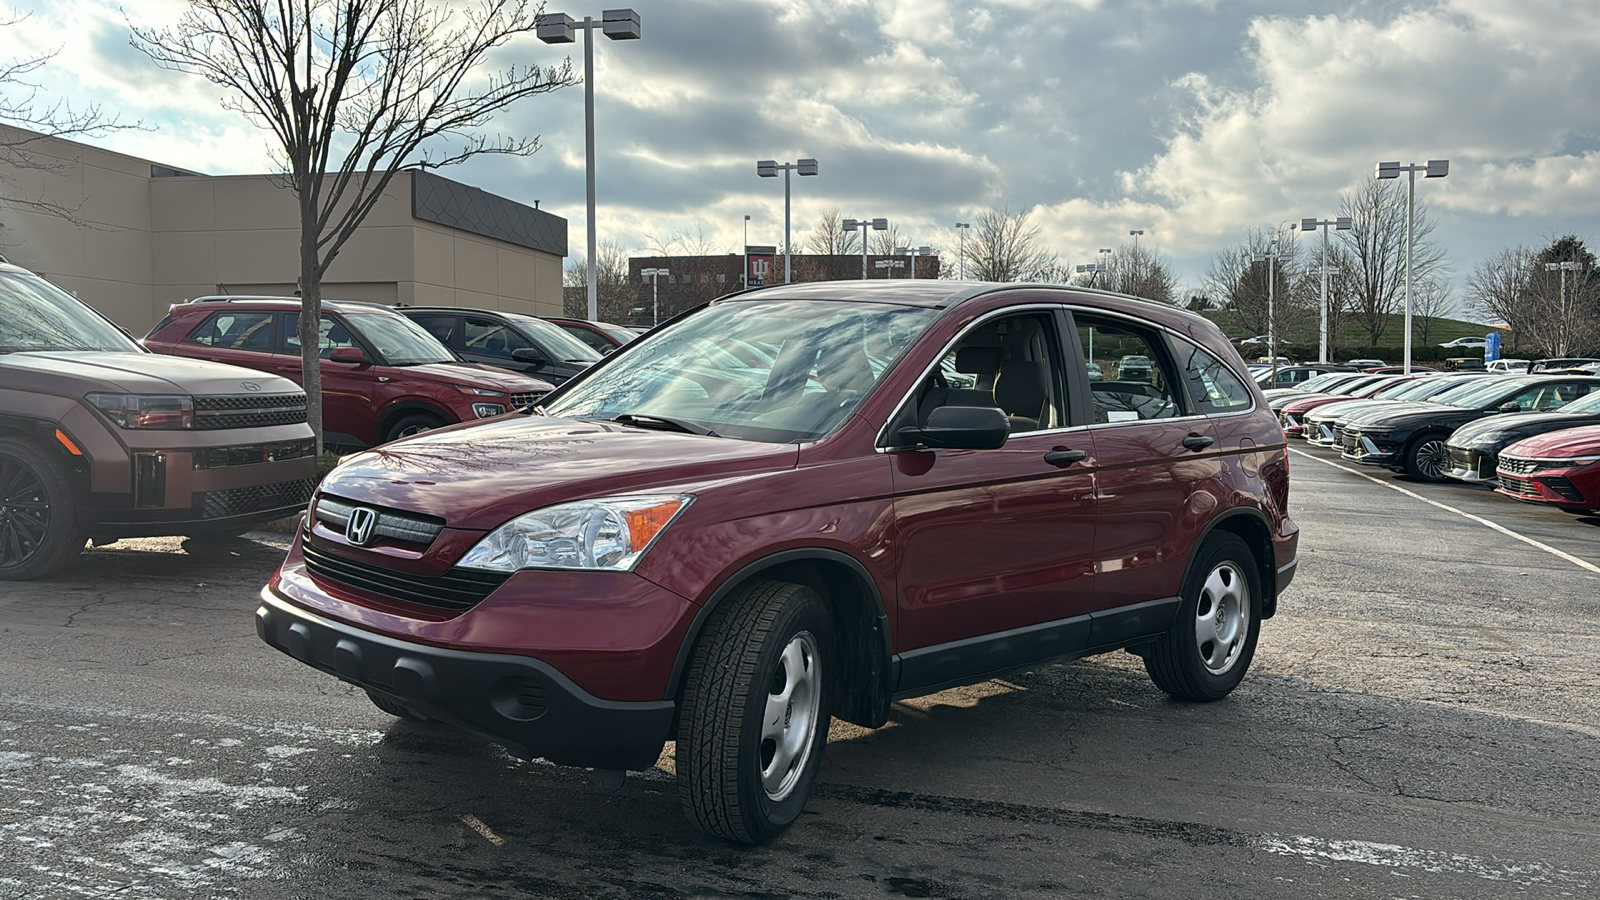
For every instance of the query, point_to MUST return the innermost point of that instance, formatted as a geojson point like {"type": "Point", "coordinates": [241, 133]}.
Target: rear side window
{"type": "Point", "coordinates": [236, 330]}
{"type": "Point", "coordinates": [1212, 386]}
{"type": "Point", "coordinates": [596, 341]}
{"type": "Point", "coordinates": [441, 327]}
{"type": "Point", "coordinates": [1136, 375]}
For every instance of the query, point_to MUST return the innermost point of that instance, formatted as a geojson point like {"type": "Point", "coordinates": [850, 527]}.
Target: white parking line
{"type": "Point", "coordinates": [1581, 563]}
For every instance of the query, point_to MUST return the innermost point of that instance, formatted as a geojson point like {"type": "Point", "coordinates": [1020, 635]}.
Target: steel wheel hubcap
{"type": "Point", "coordinates": [789, 719]}
{"type": "Point", "coordinates": [412, 429]}
{"type": "Point", "coordinates": [1433, 458]}
{"type": "Point", "coordinates": [24, 513]}
{"type": "Point", "coordinates": [1222, 618]}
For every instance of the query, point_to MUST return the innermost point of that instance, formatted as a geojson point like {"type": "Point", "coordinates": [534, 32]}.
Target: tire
{"type": "Point", "coordinates": [754, 718]}
{"type": "Point", "coordinates": [1427, 459]}
{"type": "Point", "coordinates": [396, 708]}
{"type": "Point", "coordinates": [412, 423]}
{"type": "Point", "coordinates": [1201, 658]}
{"type": "Point", "coordinates": [39, 527]}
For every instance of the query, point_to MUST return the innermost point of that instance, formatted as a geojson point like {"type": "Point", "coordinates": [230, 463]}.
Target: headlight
{"type": "Point", "coordinates": [611, 533]}
{"type": "Point", "coordinates": [478, 391]}
{"type": "Point", "coordinates": [163, 411]}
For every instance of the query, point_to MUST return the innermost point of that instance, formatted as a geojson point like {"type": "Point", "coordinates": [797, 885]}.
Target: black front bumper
{"type": "Point", "coordinates": [518, 701]}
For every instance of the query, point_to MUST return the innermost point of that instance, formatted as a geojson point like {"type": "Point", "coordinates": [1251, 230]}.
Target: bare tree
{"type": "Point", "coordinates": [33, 120]}
{"type": "Point", "coordinates": [1004, 247]}
{"type": "Point", "coordinates": [354, 91]}
{"type": "Point", "coordinates": [828, 237]}
{"type": "Point", "coordinates": [888, 242]}
{"type": "Point", "coordinates": [1242, 285]}
{"type": "Point", "coordinates": [616, 295]}
{"type": "Point", "coordinates": [1430, 300]}
{"type": "Point", "coordinates": [1376, 251]}
{"type": "Point", "coordinates": [1140, 271]}
{"type": "Point", "coordinates": [1525, 290]}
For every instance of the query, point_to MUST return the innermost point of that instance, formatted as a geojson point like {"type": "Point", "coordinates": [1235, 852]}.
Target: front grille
{"type": "Point", "coordinates": [261, 497]}
{"type": "Point", "coordinates": [248, 410]}
{"type": "Point", "coordinates": [1350, 441]}
{"type": "Point", "coordinates": [408, 527]}
{"type": "Point", "coordinates": [457, 589]}
{"type": "Point", "coordinates": [527, 398]}
{"type": "Point", "coordinates": [1519, 486]}
{"type": "Point", "coordinates": [1517, 466]}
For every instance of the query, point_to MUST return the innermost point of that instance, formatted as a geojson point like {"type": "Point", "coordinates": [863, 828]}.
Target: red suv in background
{"type": "Point", "coordinates": [383, 376]}
{"type": "Point", "coordinates": [921, 488]}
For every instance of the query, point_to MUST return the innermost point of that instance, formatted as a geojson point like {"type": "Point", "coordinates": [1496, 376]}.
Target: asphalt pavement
{"type": "Point", "coordinates": [1420, 721]}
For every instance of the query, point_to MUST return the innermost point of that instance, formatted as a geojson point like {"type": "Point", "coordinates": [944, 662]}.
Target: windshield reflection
{"type": "Point", "coordinates": [788, 371]}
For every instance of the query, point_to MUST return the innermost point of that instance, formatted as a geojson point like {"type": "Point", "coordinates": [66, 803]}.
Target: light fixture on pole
{"type": "Point", "coordinates": [769, 168]}
{"type": "Point", "coordinates": [961, 255]}
{"type": "Point", "coordinates": [1135, 234]}
{"type": "Point", "coordinates": [864, 224]}
{"type": "Point", "coordinates": [1435, 168]}
{"type": "Point", "coordinates": [655, 307]}
{"type": "Point", "coordinates": [560, 28]}
{"type": "Point", "coordinates": [1271, 258]}
{"type": "Point", "coordinates": [744, 279]}
{"type": "Point", "coordinates": [1570, 265]}
{"type": "Point", "coordinates": [914, 252]}
{"type": "Point", "coordinates": [1342, 223]}
{"type": "Point", "coordinates": [1091, 269]}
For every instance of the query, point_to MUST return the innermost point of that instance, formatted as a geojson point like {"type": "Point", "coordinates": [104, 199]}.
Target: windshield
{"type": "Point", "coordinates": [1476, 395]}
{"type": "Point", "coordinates": [1322, 381]}
{"type": "Point", "coordinates": [617, 332]}
{"type": "Point", "coordinates": [566, 347]}
{"type": "Point", "coordinates": [400, 341]}
{"type": "Point", "coordinates": [37, 315]}
{"type": "Point", "coordinates": [828, 356]}
{"type": "Point", "coordinates": [1588, 404]}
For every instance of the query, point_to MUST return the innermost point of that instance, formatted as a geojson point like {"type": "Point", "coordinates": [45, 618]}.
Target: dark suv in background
{"type": "Point", "coordinates": [686, 544]}
{"type": "Point", "coordinates": [101, 439]}
{"type": "Point", "coordinates": [509, 340]}
{"type": "Point", "coordinates": [383, 376]}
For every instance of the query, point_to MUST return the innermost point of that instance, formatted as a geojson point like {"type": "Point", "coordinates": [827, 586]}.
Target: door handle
{"type": "Point", "coordinates": [1198, 442]}
{"type": "Point", "coordinates": [1063, 457]}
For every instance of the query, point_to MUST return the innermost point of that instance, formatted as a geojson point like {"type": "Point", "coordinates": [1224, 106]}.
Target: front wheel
{"type": "Point", "coordinates": [39, 530]}
{"type": "Point", "coordinates": [415, 423]}
{"type": "Point", "coordinates": [1427, 458]}
{"type": "Point", "coordinates": [1206, 652]}
{"type": "Point", "coordinates": [754, 718]}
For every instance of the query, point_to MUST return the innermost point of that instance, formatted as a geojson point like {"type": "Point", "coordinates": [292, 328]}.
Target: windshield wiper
{"type": "Point", "coordinates": [662, 423]}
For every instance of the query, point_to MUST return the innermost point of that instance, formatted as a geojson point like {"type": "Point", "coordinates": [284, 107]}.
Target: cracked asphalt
{"type": "Point", "coordinates": [1421, 721]}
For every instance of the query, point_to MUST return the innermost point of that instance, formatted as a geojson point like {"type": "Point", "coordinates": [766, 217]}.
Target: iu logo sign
{"type": "Point", "coordinates": [359, 529]}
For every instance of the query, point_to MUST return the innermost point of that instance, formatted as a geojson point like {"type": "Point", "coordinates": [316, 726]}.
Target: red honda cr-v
{"type": "Point", "coordinates": [383, 376]}
{"type": "Point", "coordinates": [680, 545]}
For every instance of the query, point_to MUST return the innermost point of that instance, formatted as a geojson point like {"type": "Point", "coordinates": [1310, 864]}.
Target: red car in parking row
{"type": "Point", "coordinates": [383, 376]}
{"type": "Point", "coordinates": [1561, 468]}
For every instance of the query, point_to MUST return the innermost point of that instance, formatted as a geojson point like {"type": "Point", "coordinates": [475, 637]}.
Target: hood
{"type": "Point", "coordinates": [77, 372]}
{"type": "Point", "coordinates": [471, 374]}
{"type": "Point", "coordinates": [1307, 402]}
{"type": "Point", "coordinates": [478, 477]}
{"type": "Point", "coordinates": [1583, 441]}
{"type": "Point", "coordinates": [1403, 414]}
{"type": "Point", "coordinates": [1508, 427]}
{"type": "Point", "coordinates": [1349, 407]}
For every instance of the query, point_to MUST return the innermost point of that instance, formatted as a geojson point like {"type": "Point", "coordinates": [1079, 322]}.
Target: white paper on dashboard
{"type": "Point", "coordinates": [1121, 416]}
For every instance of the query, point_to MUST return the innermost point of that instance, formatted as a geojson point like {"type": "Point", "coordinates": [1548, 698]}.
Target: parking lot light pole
{"type": "Point", "coordinates": [655, 308]}
{"type": "Point", "coordinates": [914, 252]}
{"type": "Point", "coordinates": [1570, 265]}
{"type": "Point", "coordinates": [1271, 258]}
{"type": "Point", "coordinates": [769, 168]}
{"type": "Point", "coordinates": [1136, 234]}
{"type": "Point", "coordinates": [864, 224]}
{"type": "Point", "coordinates": [560, 28]}
{"type": "Point", "coordinates": [1342, 223]}
{"type": "Point", "coordinates": [1434, 168]}
{"type": "Point", "coordinates": [744, 277]}
{"type": "Point", "coordinates": [961, 255]}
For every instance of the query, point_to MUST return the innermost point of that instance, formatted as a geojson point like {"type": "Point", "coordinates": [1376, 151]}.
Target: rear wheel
{"type": "Point", "coordinates": [1427, 458]}
{"type": "Point", "coordinates": [1206, 652]}
{"type": "Point", "coordinates": [39, 530]}
{"type": "Point", "coordinates": [754, 718]}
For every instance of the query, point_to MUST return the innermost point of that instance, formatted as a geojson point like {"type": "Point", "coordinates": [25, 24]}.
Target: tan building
{"type": "Point", "coordinates": [143, 236]}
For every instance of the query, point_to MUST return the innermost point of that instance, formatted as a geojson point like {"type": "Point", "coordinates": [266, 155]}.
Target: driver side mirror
{"type": "Point", "coordinates": [352, 355]}
{"type": "Point", "coordinates": [961, 428]}
{"type": "Point", "coordinates": [528, 355]}
{"type": "Point", "coordinates": [1510, 406]}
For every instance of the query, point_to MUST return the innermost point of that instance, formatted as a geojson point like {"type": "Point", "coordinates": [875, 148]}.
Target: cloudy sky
{"type": "Point", "coordinates": [1194, 120]}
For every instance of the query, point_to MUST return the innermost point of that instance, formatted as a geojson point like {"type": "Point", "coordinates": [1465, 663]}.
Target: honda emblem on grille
{"type": "Point", "coordinates": [359, 529]}
{"type": "Point", "coordinates": [250, 386]}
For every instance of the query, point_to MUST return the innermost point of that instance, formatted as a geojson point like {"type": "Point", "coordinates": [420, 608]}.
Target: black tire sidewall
{"type": "Point", "coordinates": [803, 613]}
{"type": "Point", "coordinates": [1175, 664]}
{"type": "Point", "coordinates": [408, 420]}
{"type": "Point", "coordinates": [1413, 469]}
{"type": "Point", "coordinates": [63, 537]}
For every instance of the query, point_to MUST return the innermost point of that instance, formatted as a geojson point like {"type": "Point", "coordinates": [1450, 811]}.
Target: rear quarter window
{"type": "Point", "coordinates": [1212, 386]}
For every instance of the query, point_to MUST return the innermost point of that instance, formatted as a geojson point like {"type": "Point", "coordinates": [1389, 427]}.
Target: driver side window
{"type": "Point", "coordinates": [1012, 363]}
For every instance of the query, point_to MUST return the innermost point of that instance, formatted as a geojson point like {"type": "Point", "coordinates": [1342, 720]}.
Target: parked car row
{"type": "Point", "coordinates": [1534, 437]}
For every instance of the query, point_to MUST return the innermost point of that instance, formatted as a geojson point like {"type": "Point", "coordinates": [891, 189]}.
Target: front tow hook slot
{"type": "Point", "coordinates": [297, 640]}
{"type": "Point", "coordinates": [414, 677]}
{"type": "Point", "coordinates": [347, 660]}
